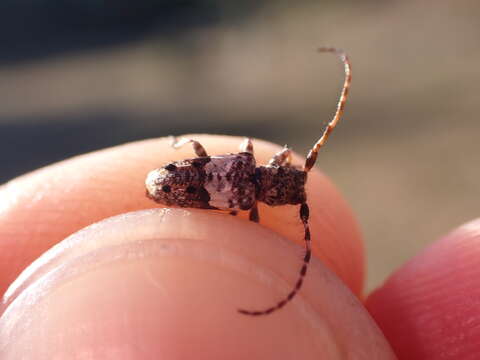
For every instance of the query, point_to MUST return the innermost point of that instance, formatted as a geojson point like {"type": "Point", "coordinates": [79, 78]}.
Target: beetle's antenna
{"type": "Point", "coordinates": [304, 214]}
{"type": "Point", "coordinates": [312, 155]}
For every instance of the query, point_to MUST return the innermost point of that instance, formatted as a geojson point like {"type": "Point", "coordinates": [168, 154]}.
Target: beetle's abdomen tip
{"type": "Point", "coordinates": [153, 181]}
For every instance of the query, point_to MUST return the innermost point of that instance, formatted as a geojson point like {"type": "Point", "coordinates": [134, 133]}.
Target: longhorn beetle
{"type": "Point", "coordinates": [234, 181]}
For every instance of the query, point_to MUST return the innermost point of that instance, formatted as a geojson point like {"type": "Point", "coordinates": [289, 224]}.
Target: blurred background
{"type": "Point", "coordinates": [77, 76]}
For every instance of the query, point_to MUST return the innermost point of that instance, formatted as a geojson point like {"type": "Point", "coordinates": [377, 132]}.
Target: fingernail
{"type": "Point", "coordinates": [167, 283]}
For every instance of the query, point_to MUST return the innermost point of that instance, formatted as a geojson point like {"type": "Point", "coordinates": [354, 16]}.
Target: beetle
{"type": "Point", "coordinates": [234, 182]}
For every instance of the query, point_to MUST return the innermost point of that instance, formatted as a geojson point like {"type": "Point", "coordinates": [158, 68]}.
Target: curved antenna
{"type": "Point", "coordinates": [312, 155]}
{"type": "Point", "coordinates": [304, 210]}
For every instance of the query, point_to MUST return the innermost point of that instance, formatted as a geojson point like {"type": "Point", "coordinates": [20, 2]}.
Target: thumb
{"type": "Point", "coordinates": [167, 283]}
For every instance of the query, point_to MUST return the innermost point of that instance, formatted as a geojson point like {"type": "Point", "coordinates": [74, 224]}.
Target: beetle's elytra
{"type": "Point", "coordinates": [235, 182]}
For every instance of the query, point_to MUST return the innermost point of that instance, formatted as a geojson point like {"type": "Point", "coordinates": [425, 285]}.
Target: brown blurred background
{"type": "Point", "coordinates": [77, 76]}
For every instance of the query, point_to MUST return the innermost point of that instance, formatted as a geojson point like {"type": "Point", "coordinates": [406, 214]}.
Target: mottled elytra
{"type": "Point", "coordinates": [234, 182]}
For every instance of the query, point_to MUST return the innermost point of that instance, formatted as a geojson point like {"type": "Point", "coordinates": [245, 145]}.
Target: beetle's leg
{"type": "Point", "coordinates": [282, 157]}
{"type": "Point", "coordinates": [233, 212]}
{"type": "Point", "coordinates": [253, 215]}
{"type": "Point", "coordinates": [197, 147]}
{"type": "Point", "coordinates": [304, 213]}
{"type": "Point", "coordinates": [246, 146]}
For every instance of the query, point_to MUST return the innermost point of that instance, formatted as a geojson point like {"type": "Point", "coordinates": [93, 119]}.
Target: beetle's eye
{"type": "Point", "coordinates": [170, 167]}
{"type": "Point", "coordinates": [166, 188]}
{"type": "Point", "coordinates": [190, 189]}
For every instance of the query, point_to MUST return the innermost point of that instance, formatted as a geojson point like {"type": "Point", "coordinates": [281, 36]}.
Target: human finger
{"type": "Point", "coordinates": [43, 207]}
{"type": "Point", "coordinates": [167, 283]}
{"type": "Point", "coordinates": [429, 308]}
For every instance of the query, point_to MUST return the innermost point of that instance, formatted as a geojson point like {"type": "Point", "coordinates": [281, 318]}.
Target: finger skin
{"type": "Point", "coordinates": [167, 283]}
{"type": "Point", "coordinates": [430, 308]}
{"type": "Point", "coordinates": [41, 208]}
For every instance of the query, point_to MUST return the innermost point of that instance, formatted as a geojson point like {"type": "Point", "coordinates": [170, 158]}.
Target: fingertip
{"type": "Point", "coordinates": [428, 309]}
{"type": "Point", "coordinates": [167, 283]}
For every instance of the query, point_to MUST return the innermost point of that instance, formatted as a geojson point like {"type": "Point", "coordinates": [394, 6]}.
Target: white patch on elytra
{"type": "Point", "coordinates": [219, 188]}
